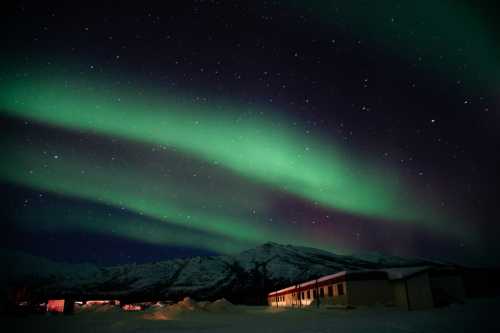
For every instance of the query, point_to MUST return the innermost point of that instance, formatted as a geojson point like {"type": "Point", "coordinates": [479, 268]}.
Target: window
{"type": "Point", "coordinates": [330, 291]}
{"type": "Point", "coordinates": [321, 292]}
{"type": "Point", "coordinates": [315, 293]}
{"type": "Point", "coordinates": [340, 289]}
{"type": "Point", "coordinates": [302, 293]}
{"type": "Point", "coordinates": [308, 294]}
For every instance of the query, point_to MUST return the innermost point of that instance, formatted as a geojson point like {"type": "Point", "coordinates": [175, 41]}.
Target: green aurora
{"type": "Point", "coordinates": [263, 152]}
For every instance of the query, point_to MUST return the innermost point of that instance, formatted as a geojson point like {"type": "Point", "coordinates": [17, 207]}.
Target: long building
{"type": "Point", "coordinates": [411, 288]}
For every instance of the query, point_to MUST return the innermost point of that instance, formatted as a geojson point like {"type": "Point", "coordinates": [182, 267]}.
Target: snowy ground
{"type": "Point", "coordinates": [474, 316]}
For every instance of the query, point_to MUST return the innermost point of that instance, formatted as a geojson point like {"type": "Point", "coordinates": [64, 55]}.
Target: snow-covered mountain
{"type": "Point", "coordinates": [243, 278]}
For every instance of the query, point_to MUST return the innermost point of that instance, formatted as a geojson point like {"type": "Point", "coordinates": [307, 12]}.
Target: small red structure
{"type": "Point", "coordinates": [132, 307]}
{"type": "Point", "coordinates": [60, 306]}
{"type": "Point", "coordinates": [55, 305]}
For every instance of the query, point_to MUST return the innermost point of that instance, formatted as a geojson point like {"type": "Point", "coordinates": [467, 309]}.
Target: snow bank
{"type": "Point", "coordinates": [221, 305]}
{"type": "Point", "coordinates": [189, 305]}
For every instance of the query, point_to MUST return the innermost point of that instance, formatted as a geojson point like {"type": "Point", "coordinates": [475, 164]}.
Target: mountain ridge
{"type": "Point", "coordinates": [245, 277]}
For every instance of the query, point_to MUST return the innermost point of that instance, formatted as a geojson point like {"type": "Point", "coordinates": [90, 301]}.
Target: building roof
{"type": "Point", "coordinates": [404, 272]}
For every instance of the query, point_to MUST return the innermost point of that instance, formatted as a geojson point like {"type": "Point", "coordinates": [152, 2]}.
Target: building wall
{"type": "Point", "coordinates": [447, 289]}
{"type": "Point", "coordinates": [294, 299]}
{"type": "Point", "coordinates": [419, 292]}
{"type": "Point", "coordinates": [369, 292]}
{"type": "Point", "coordinates": [305, 301]}
{"type": "Point", "coordinates": [287, 300]}
{"type": "Point", "coordinates": [413, 293]}
{"type": "Point", "coordinates": [337, 298]}
{"type": "Point", "coordinates": [399, 293]}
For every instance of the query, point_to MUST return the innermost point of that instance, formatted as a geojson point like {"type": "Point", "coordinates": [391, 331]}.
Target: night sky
{"type": "Point", "coordinates": [140, 133]}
